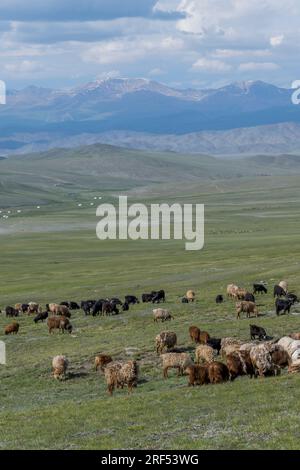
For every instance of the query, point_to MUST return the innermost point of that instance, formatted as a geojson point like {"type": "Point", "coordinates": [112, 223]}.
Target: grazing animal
{"type": "Point", "coordinates": [11, 312]}
{"type": "Point", "coordinates": [261, 360]}
{"type": "Point", "coordinates": [282, 305]}
{"type": "Point", "coordinates": [279, 291]}
{"type": "Point", "coordinates": [232, 343]}
{"type": "Point", "coordinates": [19, 308]}
{"type": "Point", "coordinates": [259, 289]}
{"type": "Point", "coordinates": [280, 357]}
{"type": "Point", "coordinates": [246, 307]}
{"type": "Point", "coordinates": [33, 307]}
{"type": "Point", "coordinates": [219, 299]}
{"type": "Point", "coordinates": [291, 346]}
{"type": "Point", "coordinates": [24, 308]}
{"type": "Point", "coordinates": [204, 354]}
{"type": "Point", "coordinates": [190, 295]}
{"type": "Point", "coordinates": [284, 286]}
{"type": "Point", "coordinates": [107, 308]}
{"type": "Point", "coordinates": [98, 307]}
{"type": "Point", "coordinates": [59, 323]}
{"type": "Point", "coordinates": [161, 314]}
{"type": "Point", "coordinates": [217, 372]}
{"type": "Point", "coordinates": [115, 301]}
{"type": "Point", "coordinates": [59, 367]}
{"type": "Point", "coordinates": [198, 375]}
{"type": "Point", "coordinates": [175, 360]}
{"type": "Point", "coordinates": [125, 307]}
{"type": "Point", "coordinates": [194, 332]}
{"type": "Point", "coordinates": [87, 306]}
{"type": "Point", "coordinates": [41, 317]}
{"type": "Point", "coordinates": [12, 329]}
{"type": "Point", "coordinates": [239, 363]}
{"type": "Point", "coordinates": [131, 299]}
{"type": "Point", "coordinates": [165, 339]}
{"type": "Point", "coordinates": [215, 343]}
{"type": "Point", "coordinates": [158, 296]}
{"type": "Point", "coordinates": [249, 297]}
{"type": "Point", "coordinates": [232, 291]}
{"type": "Point", "coordinates": [184, 300]}
{"type": "Point", "coordinates": [56, 309]}
{"type": "Point", "coordinates": [204, 337]}
{"type": "Point", "coordinates": [241, 293]}
{"type": "Point", "coordinates": [257, 331]}
{"type": "Point", "coordinates": [101, 360]}
{"type": "Point", "coordinates": [71, 305]}
{"type": "Point", "coordinates": [147, 298]}
{"type": "Point", "coordinates": [118, 374]}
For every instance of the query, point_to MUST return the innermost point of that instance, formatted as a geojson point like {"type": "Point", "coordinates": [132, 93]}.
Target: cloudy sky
{"type": "Point", "coordinates": [184, 43]}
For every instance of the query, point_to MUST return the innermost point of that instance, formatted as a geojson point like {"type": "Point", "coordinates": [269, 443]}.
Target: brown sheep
{"type": "Point", "coordinates": [101, 360]}
{"type": "Point", "coordinates": [166, 339]}
{"type": "Point", "coordinates": [175, 360]}
{"type": "Point", "coordinates": [33, 307]}
{"type": "Point", "coordinates": [204, 353]}
{"type": "Point", "coordinates": [280, 357]}
{"type": "Point", "coordinates": [226, 342]}
{"type": "Point", "coordinates": [217, 372]}
{"type": "Point", "coordinates": [198, 375]}
{"type": "Point", "coordinates": [190, 295]}
{"type": "Point", "coordinates": [59, 366]}
{"type": "Point", "coordinates": [56, 309]}
{"type": "Point", "coordinates": [19, 308]}
{"type": "Point", "coordinates": [204, 337]}
{"type": "Point", "coordinates": [262, 360]}
{"type": "Point", "coordinates": [239, 363]}
{"type": "Point", "coordinates": [241, 293]}
{"type": "Point", "coordinates": [194, 334]}
{"type": "Point", "coordinates": [246, 307]}
{"type": "Point", "coordinates": [117, 374]}
{"type": "Point", "coordinates": [12, 328]}
{"type": "Point", "coordinates": [59, 323]}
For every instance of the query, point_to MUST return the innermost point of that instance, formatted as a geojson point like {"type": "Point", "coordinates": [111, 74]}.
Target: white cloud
{"type": "Point", "coordinates": [276, 40]}
{"type": "Point", "coordinates": [211, 65]}
{"type": "Point", "coordinates": [25, 67]}
{"type": "Point", "coordinates": [232, 53]}
{"type": "Point", "coordinates": [156, 72]}
{"type": "Point", "coordinates": [252, 66]}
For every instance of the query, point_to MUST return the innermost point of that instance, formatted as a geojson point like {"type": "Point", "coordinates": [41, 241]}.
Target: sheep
{"type": "Point", "coordinates": [204, 337]}
{"type": "Point", "coordinates": [101, 360]}
{"type": "Point", "coordinates": [198, 375]}
{"type": "Point", "coordinates": [217, 372]}
{"type": "Point", "coordinates": [246, 307]}
{"type": "Point", "coordinates": [190, 295]}
{"type": "Point", "coordinates": [12, 328]}
{"type": "Point", "coordinates": [194, 332]}
{"type": "Point", "coordinates": [225, 342]}
{"type": "Point", "coordinates": [261, 360]}
{"type": "Point", "coordinates": [284, 286]}
{"type": "Point", "coordinates": [56, 309]}
{"type": "Point", "coordinates": [175, 360]}
{"type": "Point", "coordinates": [166, 339]}
{"type": "Point", "coordinates": [239, 363]}
{"type": "Point", "coordinates": [59, 323]}
{"type": "Point", "coordinates": [280, 357]}
{"type": "Point", "coordinates": [204, 353]}
{"type": "Point", "coordinates": [161, 314]}
{"type": "Point", "coordinates": [33, 307]}
{"type": "Point", "coordinates": [294, 367]}
{"type": "Point", "coordinates": [19, 308]}
{"type": "Point", "coordinates": [40, 317]}
{"type": "Point", "coordinates": [117, 374]}
{"type": "Point", "coordinates": [241, 293]}
{"type": "Point", "coordinates": [59, 366]}
{"type": "Point", "coordinates": [231, 291]}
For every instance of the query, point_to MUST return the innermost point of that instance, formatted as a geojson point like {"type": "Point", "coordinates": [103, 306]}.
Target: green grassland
{"type": "Point", "coordinates": [52, 254]}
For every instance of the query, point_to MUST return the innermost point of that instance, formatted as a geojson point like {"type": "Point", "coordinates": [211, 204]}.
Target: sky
{"type": "Point", "coordinates": [182, 43]}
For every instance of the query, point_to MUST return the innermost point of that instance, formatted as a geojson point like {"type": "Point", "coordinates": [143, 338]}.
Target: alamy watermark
{"type": "Point", "coordinates": [160, 222]}
{"type": "Point", "coordinates": [2, 92]}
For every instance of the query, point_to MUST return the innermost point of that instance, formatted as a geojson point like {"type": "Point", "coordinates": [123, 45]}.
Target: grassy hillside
{"type": "Point", "coordinates": [52, 254]}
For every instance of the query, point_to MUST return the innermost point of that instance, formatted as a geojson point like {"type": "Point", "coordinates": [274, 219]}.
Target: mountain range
{"type": "Point", "coordinates": [240, 118]}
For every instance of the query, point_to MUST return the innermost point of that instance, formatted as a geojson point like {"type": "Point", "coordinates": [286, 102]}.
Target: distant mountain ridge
{"type": "Point", "coordinates": [41, 118]}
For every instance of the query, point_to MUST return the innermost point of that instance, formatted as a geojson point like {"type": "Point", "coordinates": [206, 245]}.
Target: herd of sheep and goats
{"type": "Point", "coordinates": [263, 356]}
